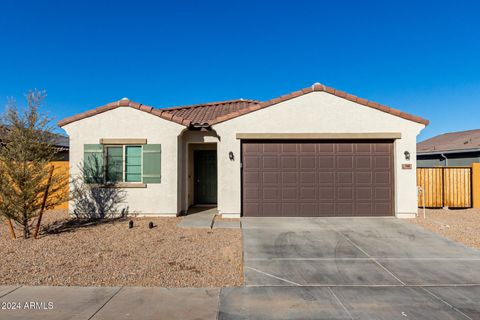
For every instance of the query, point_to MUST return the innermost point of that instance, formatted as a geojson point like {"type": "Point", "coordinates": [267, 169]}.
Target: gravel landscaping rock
{"type": "Point", "coordinates": [458, 225]}
{"type": "Point", "coordinates": [111, 254]}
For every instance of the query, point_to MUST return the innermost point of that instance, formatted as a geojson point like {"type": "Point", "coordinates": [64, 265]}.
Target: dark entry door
{"type": "Point", "coordinates": [317, 178]}
{"type": "Point", "coordinates": [205, 176]}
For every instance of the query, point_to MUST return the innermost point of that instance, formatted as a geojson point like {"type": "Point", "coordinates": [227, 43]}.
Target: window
{"type": "Point", "coordinates": [114, 166]}
{"type": "Point", "coordinates": [128, 163]}
{"type": "Point", "coordinates": [133, 164]}
{"type": "Point", "coordinates": [124, 163]}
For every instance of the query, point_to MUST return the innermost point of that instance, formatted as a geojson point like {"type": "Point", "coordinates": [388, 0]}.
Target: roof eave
{"type": "Point", "coordinates": [420, 153]}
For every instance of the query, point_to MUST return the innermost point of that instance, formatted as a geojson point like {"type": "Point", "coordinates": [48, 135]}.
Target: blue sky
{"type": "Point", "coordinates": [422, 57]}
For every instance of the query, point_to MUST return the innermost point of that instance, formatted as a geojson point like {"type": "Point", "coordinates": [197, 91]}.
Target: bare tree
{"type": "Point", "coordinates": [28, 147]}
{"type": "Point", "coordinates": [95, 198]}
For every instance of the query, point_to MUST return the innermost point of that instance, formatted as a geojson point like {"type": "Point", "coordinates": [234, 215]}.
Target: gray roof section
{"type": "Point", "coordinates": [461, 141]}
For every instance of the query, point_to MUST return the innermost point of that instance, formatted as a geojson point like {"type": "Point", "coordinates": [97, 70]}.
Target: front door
{"type": "Point", "coordinates": [205, 176]}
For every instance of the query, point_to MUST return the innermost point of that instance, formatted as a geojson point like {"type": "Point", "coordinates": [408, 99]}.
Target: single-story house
{"type": "Point", "coordinates": [314, 152]}
{"type": "Point", "coordinates": [450, 149]}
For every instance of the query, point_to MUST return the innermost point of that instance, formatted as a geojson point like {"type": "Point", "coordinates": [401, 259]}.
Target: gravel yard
{"type": "Point", "coordinates": [458, 225]}
{"type": "Point", "coordinates": [110, 254]}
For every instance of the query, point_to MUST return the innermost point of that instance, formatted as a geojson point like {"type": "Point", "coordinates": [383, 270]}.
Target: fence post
{"type": "Point", "coordinates": [476, 185]}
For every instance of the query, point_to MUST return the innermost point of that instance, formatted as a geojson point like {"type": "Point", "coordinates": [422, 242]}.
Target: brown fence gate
{"type": "Point", "coordinates": [445, 187]}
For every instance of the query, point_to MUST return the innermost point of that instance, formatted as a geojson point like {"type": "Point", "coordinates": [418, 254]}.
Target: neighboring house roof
{"type": "Point", "coordinates": [61, 142]}
{"type": "Point", "coordinates": [212, 113]}
{"type": "Point", "coordinates": [461, 141]}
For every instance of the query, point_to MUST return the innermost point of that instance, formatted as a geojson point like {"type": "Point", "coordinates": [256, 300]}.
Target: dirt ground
{"type": "Point", "coordinates": [111, 254]}
{"type": "Point", "coordinates": [458, 225]}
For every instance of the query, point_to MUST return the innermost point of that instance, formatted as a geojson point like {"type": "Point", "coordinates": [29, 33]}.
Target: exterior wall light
{"type": "Point", "coordinates": [231, 156]}
{"type": "Point", "coordinates": [407, 155]}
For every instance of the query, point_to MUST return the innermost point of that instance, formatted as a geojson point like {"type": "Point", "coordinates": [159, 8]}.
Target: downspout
{"type": "Point", "coordinates": [446, 159]}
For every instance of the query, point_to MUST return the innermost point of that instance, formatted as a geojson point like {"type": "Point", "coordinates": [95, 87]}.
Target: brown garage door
{"type": "Point", "coordinates": [317, 178]}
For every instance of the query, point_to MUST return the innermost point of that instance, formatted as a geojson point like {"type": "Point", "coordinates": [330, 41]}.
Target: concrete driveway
{"type": "Point", "coordinates": [352, 268]}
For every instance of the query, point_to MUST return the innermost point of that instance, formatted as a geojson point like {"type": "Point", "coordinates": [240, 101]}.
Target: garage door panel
{"type": "Point", "coordinates": [326, 193]}
{"type": "Point", "coordinates": [344, 162]}
{"type": "Point", "coordinates": [344, 209]}
{"type": "Point", "coordinates": [252, 148]}
{"type": "Point", "coordinates": [251, 193]}
{"type": "Point", "coordinates": [308, 209]}
{"type": "Point", "coordinates": [382, 162]}
{"type": "Point", "coordinates": [383, 177]}
{"type": "Point", "coordinates": [363, 178]}
{"type": "Point", "coordinates": [308, 193]}
{"type": "Point", "coordinates": [308, 149]}
{"type": "Point", "coordinates": [326, 209]}
{"type": "Point", "coordinates": [363, 148]}
{"type": "Point", "coordinates": [270, 209]}
{"type": "Point", "coordinates": [326, 162]}
{"type": "Point", "coordinates": [326, 148]}
{"type": "Point", "coordinates": [251, 209]}
{"type": "Point", "coordinates": [268, 178]}
{"type": "Point", "coordinates": [364, 193]}
{"type": "Point", "coordinates": [381, 208]}
{"type": "Point", "coordinates": [382, 194]}
{"type": "Point", "coordinates": [363, 162]}
{"type": "Point", "coordinates": [379, 148]}
{"type": "Point", "coordinates": [364, 208]}
{"type": "Point", "coordinates": [307, 162]}
{"type": "Point", "coordinates": [345, 177]}
{"type": "Point", "coordinates": [270, 162]}
{"type": "Point", "coordinates": [251, 177]}
{"type": "Point", "coordinates": [317, 178]}
{"type": "Point", "coordinates": [252, 162]}
{"type": "Point", "coordinates": [270, 194]}
{"type": "Point", "coordinates": [308, 177]}
{"type": "Point", "coordinates": [326, 178]}
{"type": "Point", "coordinates": [271, 148]}
{"type": "Point", "coordinates": [289, 209]}
{"type": "Point", "coordinates": [344, 193]}
{"type": "Point", "coordinates": [289, 162]}
{"type": "Point", "coordinates": [289, 148]}
{"type": "Point", "coordinates": [290, 193]}
{"type": "Point", "coordinates": [289, 178]}
{"type": "Point", "coordinates": [343, 148]}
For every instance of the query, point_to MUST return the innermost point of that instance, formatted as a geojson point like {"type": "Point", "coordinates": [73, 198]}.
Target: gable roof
{"type": "Point", "coordinates": [208, 114]}
{"type": "Point", "coordinates": [453, 141]}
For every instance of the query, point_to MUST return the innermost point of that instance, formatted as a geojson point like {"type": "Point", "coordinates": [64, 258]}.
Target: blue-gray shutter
{"type": "Point", "coordinates": [93, 167]}
{"type": "Point", "coordinates": [152, 163]}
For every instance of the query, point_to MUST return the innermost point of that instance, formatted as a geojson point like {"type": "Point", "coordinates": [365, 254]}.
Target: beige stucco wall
{"type": "Point", "coordinates": [316, 112]}
{"type": "Point", "coordinates": [126, 122]}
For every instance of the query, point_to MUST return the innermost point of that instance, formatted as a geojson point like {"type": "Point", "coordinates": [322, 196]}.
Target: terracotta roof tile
{"type": "Point", "coordinates": [216, 112]}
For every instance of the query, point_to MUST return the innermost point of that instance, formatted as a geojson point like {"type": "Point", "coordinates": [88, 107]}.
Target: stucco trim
{"type": "Point", "coordinates": [122, 141]}
{"type": "Point", "coordinates": [130, 185]}
{"type": "Point", "coordinates": [320, 136]}
{"type": "Point", "coordinates": [405, 215]}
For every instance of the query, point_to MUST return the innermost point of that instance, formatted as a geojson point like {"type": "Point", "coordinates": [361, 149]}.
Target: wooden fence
{"type": "Point", "coordinates": [445, 187]}
{"type": "Point", "coordinates": [63, 167]}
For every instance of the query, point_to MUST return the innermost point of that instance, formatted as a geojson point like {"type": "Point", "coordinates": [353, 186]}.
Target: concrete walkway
{"type": "Point", "coordinates": [204, 218]}
{"type": "Point", "coordinates": [85, 303]}
{"type": "Point", "coordinates": [277, 302]}
{"type": "Point", "coordinates": [199, 217]}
